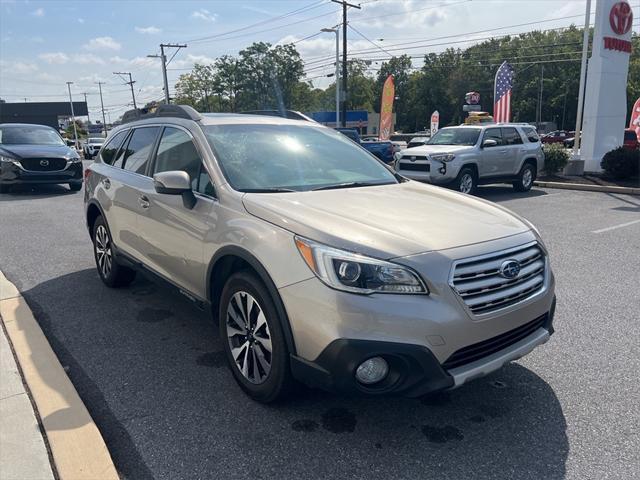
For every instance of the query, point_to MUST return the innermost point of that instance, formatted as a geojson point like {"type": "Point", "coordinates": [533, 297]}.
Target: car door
{"type": "Point", "coordinates": [492, 157]}
{"type": "Point", "coordinates": [515, 150]}
{"type": "Point", "coordinates": [127, 181]}
{"type": "Point", "coordinates": [174, 235]}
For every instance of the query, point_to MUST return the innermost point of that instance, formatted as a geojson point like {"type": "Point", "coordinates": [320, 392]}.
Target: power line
{"type": "Point", "coordinates": [130, 83]}
{"type": "Point", "coordinates": [369, 40]}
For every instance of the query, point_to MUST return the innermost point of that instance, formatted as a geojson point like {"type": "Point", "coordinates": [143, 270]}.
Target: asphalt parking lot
{"type": "Point", "coordinates": [150, 368]}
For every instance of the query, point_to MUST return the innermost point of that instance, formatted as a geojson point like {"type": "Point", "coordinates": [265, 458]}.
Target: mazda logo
{"type": "Point", "coordinates": [621, 18]}
{"type": "Point", "coordinates": [510, 269]}
{"type": "Point", "coordinates": [44, 163]}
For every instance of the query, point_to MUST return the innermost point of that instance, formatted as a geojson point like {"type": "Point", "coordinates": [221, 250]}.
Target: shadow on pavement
{"type": "Point", "coordinates": [150, 368]}
{"type": "Point", "coordinates": [497, 193]}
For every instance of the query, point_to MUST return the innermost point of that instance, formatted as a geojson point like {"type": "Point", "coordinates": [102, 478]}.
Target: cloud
{"type": "Point", "coordinates": [148, 30]}
{"type": "Point", "coordinates": [204, 14]}
{"type": "Point", "coordinates": [87, 59]}
{"type": "Point", "coordinates": [18, 67]}
{"type": "Point", "coordinates": [102, 43]}
{"type": "Point", "coordinates": [39, 12]}
{"type": "Point", "coordinates": [54, 57]}
{"type": "Point", "coordinates": [191, 60]}
{"type": "Point", "coordinates": [81, 20]}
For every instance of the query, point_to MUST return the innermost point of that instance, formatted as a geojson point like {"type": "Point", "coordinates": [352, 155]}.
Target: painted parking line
{"type": "Point", "coordinates": [602, 230]}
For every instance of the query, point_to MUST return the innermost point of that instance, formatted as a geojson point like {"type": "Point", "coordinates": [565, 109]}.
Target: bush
{"type": "Point", "coordinates": [556, 158]}
{"type": "Point", "coordinates": [621, 163]}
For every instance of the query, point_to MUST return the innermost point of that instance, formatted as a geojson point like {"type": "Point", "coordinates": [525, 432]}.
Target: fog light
{"type": "Point", "coordinates": [372, 370]}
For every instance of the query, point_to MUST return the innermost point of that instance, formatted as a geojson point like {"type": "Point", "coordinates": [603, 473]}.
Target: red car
{"type": "Point", "coordinates": [557, 136]}
{"type": "Point", "coordinates": [631, 141]}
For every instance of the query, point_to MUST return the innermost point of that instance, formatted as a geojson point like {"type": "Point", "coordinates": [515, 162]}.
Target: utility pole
{"type": "Point", "coordinates": [344, 56]}
{"type": "Point", "coordinates": [583, 77]}
{"type": "Point", "coordinates": [73, 116]}
{"type": "Point", "coordinates": [337, 74]}
{"type": "Point", "coordinates": [85, 101]}
{"type": "Point", "coordinates": [163, 59]}
{"type": "Point", "coordinates": [104, 120]}
{"type": "Point", "coordinates": [540, 96]}
{"type": "Point", "coordinates": [130, 83]}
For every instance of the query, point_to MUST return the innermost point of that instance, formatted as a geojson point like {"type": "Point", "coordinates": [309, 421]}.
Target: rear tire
{"type": "Point", "coordinates": [466, 182]}
{"type": "Point", "coordinates": [75, 186]}
{"type": "Point", "coordinates": [112, 273]}
{"type": "Point", "coordinates": [5, 188]}
{"type": "Point", "coordinates": [525, 179]}
{"type": "Point", "coordinates": [253, 339]}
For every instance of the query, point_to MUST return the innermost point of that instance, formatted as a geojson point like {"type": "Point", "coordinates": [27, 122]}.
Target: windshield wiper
{"type": "Point", "coordinates": [349, 185]}
{"type": "Point", "coordinates": [266, 190]}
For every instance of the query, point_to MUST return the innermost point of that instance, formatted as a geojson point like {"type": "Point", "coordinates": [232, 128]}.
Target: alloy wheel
{"type": "Point", "coordinates": [103, 251]}
{"type": "Point", "coordinates": [249, 337]}
{"type": "Point", "coordinates": [527, 178]}
{"type": "Point", "coordinates": [466, 183]}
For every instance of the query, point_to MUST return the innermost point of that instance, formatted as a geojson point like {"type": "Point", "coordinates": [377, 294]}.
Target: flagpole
{"type": "Point", "coordinates": [583, 76]}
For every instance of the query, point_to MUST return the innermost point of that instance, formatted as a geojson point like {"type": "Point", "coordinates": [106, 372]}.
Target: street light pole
{"type": "Point", "coordinates": [85, 101]}
{"type": "Point", "coordinates": [73, 116]}
{"type": "Point", "coordinates": [337, 74]}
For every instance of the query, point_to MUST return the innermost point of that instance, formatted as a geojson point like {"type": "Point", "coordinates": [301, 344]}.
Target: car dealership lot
{"type": "Point", "coordinates": [150, 367]}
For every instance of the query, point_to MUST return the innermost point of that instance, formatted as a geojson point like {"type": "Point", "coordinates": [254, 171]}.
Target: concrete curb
{"type": "Point", "coordinates": [77, 447]}
{"type": "Point", "coordinates": [588, 188]}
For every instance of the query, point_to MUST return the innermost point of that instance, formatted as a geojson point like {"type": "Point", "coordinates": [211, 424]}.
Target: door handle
{"type": "Point", "coordinates": [503, 151]}
{"type": "Point", "coordinates": [143, 201]}
{"type": "Point", "coordinates": [107, 183]}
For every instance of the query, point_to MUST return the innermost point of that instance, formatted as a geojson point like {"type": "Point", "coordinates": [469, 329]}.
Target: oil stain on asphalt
{"type": "Point", "coordinates": [442, 434]}
{"type": "Point", "coordinates": [212, 359]}
{"type": "Point", "coordinates": [153, 315]}
{"type": "Point", "coordinates": [305, 425]}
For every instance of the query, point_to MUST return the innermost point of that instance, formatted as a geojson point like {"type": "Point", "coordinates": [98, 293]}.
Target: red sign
{"type": "Point", "coordinates": [618, 44]}
{"type": "Point", "coordinates": [620, 18]}
{"type": "Point", "coordinates": [386, 108]}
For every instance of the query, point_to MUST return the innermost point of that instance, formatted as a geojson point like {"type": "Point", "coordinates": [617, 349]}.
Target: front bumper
{"type": "Point", "coordinates": [12, 174]}
{"type": "Point", "coordinates": [413, 369]}
{"type": "Point", "coordinates": [431, 171]}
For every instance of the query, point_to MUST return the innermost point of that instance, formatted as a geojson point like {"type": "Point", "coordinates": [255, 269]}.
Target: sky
{"type": "Point", "coordinates": [46, 43]}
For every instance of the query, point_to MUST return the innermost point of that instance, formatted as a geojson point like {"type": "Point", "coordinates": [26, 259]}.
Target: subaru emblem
{"type": "Point", "coordinates": [510, 269]}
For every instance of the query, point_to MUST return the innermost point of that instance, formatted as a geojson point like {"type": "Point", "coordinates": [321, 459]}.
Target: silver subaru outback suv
{"type": "Point", "coordinates": [470, 155]}
{"type": "Point", "coordinates": [320, 264]}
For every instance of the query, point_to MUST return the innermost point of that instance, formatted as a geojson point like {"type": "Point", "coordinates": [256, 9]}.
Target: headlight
{"type": "Point", "coordinates": [443, 157]}
{"type": "Point", "coordinates": [4, 159]}
{"type": "Point", "coordinates": [356, 273]}
{"type": "Point", "coordinates": [73, 158]}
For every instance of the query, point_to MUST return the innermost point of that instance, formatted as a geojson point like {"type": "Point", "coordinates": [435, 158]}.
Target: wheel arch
{"type": "Point", "coordinates": [473, 166]}
{"type": "Point", "coordinates": [230, 259]}
{"type": "Point", "coordinates": [94, 210]}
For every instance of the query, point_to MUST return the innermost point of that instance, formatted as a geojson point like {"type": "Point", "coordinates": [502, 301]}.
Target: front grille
{"type": "Point", "coordinates": [487, 347]}
{"type": "Point", "coordinates": [415, 167]}
{"type": "Point", "coordinates": [43, 164]}
{"type": "Point", "coordinates": [483, 289]}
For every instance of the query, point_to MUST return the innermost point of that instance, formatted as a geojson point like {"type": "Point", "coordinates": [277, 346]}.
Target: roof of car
{"type": "Point", "coordinates": [248, 119]}
{"type": "Point", "coordinates": [25, 125]}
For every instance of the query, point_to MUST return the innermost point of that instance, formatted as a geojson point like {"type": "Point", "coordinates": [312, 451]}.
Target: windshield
{"type": "Point", "coordinates": [455, 136]}
{"type": "Point", "coordinates": [292, 158]}
{"type": "Point", "coordinates": [28, 135]}
{"type": "Point", "coordinates": [98, 141]}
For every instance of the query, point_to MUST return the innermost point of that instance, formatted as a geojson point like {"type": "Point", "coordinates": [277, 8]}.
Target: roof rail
{"type": "Point", "coordinates": [176, 111]}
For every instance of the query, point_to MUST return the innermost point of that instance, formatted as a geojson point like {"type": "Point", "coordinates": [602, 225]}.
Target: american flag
{"type": "Point", "coordinates": [502, 93]}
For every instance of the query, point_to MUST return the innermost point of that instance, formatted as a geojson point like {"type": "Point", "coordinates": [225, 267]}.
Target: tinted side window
{"type": "Point", "coordinates": [531, 134]}
{"type": "Point", "coordinates": [176, 151]}
{"type": "Point", "coordinates": [511, 136]}
{"type": "Point", "coordinates": [139, 149]}
{"type": "Point", "coordinates": [493, 134]}
{"type": "Point", "coordinates": [108, 153]}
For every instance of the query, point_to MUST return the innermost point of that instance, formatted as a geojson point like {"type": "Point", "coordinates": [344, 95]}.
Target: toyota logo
{"type": "Point", "coordinates": [44, 163]}
{"type": "Point", "coordinates": [413, 159]}
{"type": "Point", "coordinates": [621, 18]}
{"type": "Point", "coordinates": [510, 269]}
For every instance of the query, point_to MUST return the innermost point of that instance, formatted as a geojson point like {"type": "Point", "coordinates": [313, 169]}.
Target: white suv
{"type": "Point", "coordinates": [467, 156]}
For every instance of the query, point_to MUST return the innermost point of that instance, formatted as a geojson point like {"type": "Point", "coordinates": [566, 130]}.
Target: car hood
{"type": "Point", "coordinates": [386, 221]}
{"type": "Point", "coordinates": [430, 149]}
{"type": "Point", "coordinates": [36, 151]}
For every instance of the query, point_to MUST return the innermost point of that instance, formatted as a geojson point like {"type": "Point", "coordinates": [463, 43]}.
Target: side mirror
{"type": "Point", "coordinates": [175, 182]}
{"type": "Point", "coordinates": [489, 142]}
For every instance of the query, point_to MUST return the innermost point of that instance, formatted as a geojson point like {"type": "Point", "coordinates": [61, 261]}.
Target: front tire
{"type": "Point", "coordinates": [525, 179]}
{"type": "Point", "coordinates": [253, 339]}
{"type": "Point", "coordinates": [466, 182]}
{"type": "Point", "coordinates": [75, 186]}
{"type": "Point", "coordinates": [112, 273]}
{"type": "Point", "coordinates": [5, 188]}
